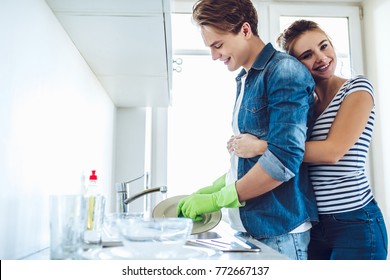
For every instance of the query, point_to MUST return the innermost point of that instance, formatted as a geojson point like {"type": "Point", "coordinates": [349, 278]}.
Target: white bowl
{"type": "Point", "coordinates": [154, 238]}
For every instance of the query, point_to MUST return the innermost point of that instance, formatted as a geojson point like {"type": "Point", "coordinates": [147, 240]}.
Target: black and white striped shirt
{"type": "Point", "coordinates": [343, 186]}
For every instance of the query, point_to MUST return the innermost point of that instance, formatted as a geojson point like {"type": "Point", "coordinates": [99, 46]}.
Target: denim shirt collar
{"type": "Point", "coordinates": [261, 61]}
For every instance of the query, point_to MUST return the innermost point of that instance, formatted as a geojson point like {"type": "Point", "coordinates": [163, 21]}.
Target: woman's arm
{"type": "Point", "coordinates": [345, 131]}
{"type": "Point", "coordinates": [343, 134]}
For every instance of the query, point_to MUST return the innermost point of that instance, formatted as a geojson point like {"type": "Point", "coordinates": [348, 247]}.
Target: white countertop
{"type": "Point", "coordinates": [223, 230]}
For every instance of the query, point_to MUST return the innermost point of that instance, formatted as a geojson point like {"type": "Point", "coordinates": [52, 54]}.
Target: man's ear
{"type": "Point", "coordinates": [246, 29]}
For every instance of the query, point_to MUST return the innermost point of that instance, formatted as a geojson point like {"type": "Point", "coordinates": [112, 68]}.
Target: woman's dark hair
{"type": "Point", "coordinates": [225, 15]}
{"type": "Point", "coordinates": [287, 38]}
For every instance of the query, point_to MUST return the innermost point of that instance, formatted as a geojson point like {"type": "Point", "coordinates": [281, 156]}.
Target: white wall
{"type": "Point", "coordinates": [56, 122]}
{"type": "Point", "coordinates": [377, 61]}
{"type": "Point", "coordinates": [130, 151]}
{"type": "Point", "coordinates": [141, 146]}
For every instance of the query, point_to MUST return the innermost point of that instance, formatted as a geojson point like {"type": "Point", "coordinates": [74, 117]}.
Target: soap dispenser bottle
{"type": "Point", "coordinates": [95, 203]}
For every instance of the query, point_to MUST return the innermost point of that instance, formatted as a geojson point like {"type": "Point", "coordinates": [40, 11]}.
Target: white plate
{"type": "Point", "coordinates": [123, 253]}
{"type": "Point", "coordinates": [167, 209]}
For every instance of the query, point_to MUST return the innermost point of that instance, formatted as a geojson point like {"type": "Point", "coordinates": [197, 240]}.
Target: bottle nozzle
{"type": "Point", "coordinates": [93, 176]}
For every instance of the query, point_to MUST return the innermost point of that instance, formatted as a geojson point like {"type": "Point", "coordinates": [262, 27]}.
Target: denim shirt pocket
{"type": "Point", "coordinates": [254, 118]}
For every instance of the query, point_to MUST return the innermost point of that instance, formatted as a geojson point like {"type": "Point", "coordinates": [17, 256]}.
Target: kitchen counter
{"type": "Point", "coordinates": [223, 230]}
{"type": "Point", "coordinates": [266, 253]}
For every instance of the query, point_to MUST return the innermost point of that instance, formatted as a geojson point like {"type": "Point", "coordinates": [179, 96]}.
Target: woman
{"type": "Point", "coordinates": [351, 223]}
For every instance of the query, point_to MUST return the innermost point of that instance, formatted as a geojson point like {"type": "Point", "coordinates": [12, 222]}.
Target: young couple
{"type": "Point", "coordinates": [297, 179]}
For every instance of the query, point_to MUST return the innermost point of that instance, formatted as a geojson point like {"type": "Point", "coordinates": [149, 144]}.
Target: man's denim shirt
{"type": "Point", "coordinates": [276, 104]}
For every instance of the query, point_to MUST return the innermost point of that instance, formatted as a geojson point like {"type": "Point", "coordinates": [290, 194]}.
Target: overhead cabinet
{"type": "Point", "coordinates": [126, 43]}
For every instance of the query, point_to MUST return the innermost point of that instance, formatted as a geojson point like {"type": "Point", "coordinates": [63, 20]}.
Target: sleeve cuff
{"type": "Point", "coordinates": [274, 167]}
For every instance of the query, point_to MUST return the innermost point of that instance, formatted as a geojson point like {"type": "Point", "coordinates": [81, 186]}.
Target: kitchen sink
{"type": "Point", "coordinates": [205, 235]}
{"type": "Point", "coordinates": [213, 240]}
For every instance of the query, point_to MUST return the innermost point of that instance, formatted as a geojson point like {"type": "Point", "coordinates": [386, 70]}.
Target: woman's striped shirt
{"type": "Point", "coordinates": [343, 186]}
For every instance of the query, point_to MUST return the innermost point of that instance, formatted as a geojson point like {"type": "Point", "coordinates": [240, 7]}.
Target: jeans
{"type": "Point", "coordinates": [355, 235]}
{"type": "Point", "coordinates": [292, 245]}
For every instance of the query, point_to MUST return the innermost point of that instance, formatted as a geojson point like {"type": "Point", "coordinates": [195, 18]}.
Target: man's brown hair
{"type": "Point", "coordinates": [225, 15]}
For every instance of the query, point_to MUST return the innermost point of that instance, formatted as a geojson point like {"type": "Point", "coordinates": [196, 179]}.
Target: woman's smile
{"type": "Point", "coordinates": [323, 67]}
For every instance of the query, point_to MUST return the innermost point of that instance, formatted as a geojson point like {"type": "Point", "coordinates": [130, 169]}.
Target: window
{"type": "Point", "coordinates": [342, 24]}
{"type": "Point", "coordinates": [199, 120]}
{"type": "Point", "coordinates": [337, 29]}
{"type": "Point", "coordinates": [203, 94]}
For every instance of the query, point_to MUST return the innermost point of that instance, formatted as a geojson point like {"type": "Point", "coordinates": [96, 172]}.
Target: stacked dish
{"type": "Point", "coordinates": [167, 209]}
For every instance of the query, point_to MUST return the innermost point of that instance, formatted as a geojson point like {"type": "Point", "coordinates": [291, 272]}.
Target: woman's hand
{"type": "Point", "coordinates": [229, 144]}
{"type": "Point", "coordinates": [246, 145]}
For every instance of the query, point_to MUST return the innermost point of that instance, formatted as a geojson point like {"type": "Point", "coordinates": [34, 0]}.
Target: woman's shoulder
{"type": "Point", "coordinates": [358, 83]}
{"type": "Point", "coordinates": [360, 80]}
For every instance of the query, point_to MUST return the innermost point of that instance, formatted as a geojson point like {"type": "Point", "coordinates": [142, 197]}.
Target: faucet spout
{"type": "Point", "coordinates": [162, 189]}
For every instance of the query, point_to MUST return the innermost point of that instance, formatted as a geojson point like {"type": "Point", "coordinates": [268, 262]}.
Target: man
{"type": "Point", "coordinates": [268, 196]}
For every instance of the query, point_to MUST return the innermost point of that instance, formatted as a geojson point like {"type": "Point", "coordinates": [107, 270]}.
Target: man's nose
{"type": "Point", "coordinates": [215, 54]}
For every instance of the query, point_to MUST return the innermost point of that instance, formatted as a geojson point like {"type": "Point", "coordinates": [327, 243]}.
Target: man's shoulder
{"type": "Point", "coordinates": [287, 63]}
{"type": "Point", "coordinates": [285, 57]}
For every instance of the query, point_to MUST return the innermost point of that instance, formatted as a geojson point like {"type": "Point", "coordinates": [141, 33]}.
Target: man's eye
{"type": "Point", "coordinates": [218, 46]}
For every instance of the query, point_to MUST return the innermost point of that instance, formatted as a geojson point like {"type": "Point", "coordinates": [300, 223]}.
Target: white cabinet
{"type": "Point", "coordinates": [108, 6]}
{"type": "Point", "coordinates": [127, 44]}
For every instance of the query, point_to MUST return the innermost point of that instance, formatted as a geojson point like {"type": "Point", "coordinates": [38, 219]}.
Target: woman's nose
{"type": "Point", "coordinates": [320, 57]}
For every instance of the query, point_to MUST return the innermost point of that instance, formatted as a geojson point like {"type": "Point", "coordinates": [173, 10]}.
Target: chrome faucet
{"type": "Point", "coordinates": [122, 193]}
{"type": "Point", "coordinates": [162, 189]}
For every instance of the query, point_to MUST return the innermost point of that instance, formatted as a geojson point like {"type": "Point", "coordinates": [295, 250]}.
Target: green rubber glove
{"type": "Point", "coordinates": [215, 187]}
{"type": "Point", "coordinates": [195, 205]}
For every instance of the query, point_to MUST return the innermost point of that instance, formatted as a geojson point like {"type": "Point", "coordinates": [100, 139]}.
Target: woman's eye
{"type": "Point", "coordinates": [305, 56]}
{"type": "Point", "coordinates": [324, 46]}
